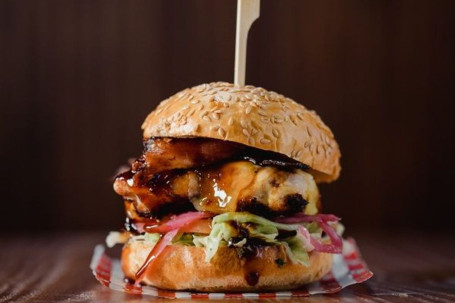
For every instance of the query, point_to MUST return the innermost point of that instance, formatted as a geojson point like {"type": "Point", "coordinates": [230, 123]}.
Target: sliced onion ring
{"type": "Point", "coordinates": [336, 243]}
{"type": "Point", "coordinates": [176, 222]}
{"type": "Point", "coordinates": [171, 229]}
{"type": "Point", "coordinates": [307, 240]}
{"type": "Point", "coordinates": [302, 218]}
{"type": "Point", "coordinates": [154, 253]}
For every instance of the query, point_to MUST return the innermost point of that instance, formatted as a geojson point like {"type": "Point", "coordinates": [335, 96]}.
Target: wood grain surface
{"type": "Point", "coordinates": [408, 267]}
{"type": "Point", "coordinates": [78, 77]}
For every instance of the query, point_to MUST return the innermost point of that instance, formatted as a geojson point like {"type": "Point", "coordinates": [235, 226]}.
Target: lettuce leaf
{"type": "Point", "coordinates": [185, 239]}
{"type": "Point", "coordinates": [258, 227]}
{"type": "Point", "coordinates": [149, 238]}
{"type": "Point", "coordinates": [245, 217]}
{"type": "Point", "coordinates": [295, 249]}
{"type": "Point", "coordinates": [221, 233]}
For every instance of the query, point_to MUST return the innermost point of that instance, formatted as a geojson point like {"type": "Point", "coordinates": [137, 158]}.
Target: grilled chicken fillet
{"type": "Point", "coordinates": [229, 187]}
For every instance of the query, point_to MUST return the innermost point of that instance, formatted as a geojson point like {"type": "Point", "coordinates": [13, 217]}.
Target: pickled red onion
{"type": "Point", "coordinates": [170, 229]}
{"type": "Point", "coordinates": [336, 243]}
{"type": "Point", "coordinates": [302, 218]}
{"type": "Point", "coordinates": [307, 241]}
{"type": "Point", "coordinates": [154, 253]}
{"type": "Point", "coordinates": [176, 222]}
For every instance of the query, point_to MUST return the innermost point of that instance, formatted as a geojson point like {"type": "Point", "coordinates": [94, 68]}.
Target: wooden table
{"type": "Point", "coordinates": [408, 267]}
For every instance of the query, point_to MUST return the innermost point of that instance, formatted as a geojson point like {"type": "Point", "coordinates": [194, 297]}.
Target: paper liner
{"type": "Point", "coordinates": [348, 268]}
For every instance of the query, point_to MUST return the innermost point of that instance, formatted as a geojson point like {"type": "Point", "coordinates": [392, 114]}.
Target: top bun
{"type": "Point", "coordinates": [251, 116]}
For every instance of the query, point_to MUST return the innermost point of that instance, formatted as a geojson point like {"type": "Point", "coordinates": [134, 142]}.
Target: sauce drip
{"type": "Point", "coordinates": [251, 253]}
{"type": "Point", "coordinates": [221, 184]}
{"type": "Point", "coordinates": [252, 278]}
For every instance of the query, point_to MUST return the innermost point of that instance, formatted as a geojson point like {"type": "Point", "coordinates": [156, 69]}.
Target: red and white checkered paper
{"type": "Point", "coordinates": [348, 268]}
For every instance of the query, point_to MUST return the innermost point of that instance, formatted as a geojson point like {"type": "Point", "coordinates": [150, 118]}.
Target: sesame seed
{"type": "Point", "coordinates": [221, 132]}
{"type": "Point", "coordinates": [275, 133]}
{"type": "Point", "coordinates": [308, 131]}
{"type": "Point", "coordinates": [265, 141]}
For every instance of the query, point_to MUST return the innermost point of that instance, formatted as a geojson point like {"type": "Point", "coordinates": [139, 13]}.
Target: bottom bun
{"type": "Point", "coordinates": [184, 268]}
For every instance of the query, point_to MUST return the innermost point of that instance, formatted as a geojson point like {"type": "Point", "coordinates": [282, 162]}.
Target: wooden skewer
{"type": "Point", "coordinates": [247, 13]}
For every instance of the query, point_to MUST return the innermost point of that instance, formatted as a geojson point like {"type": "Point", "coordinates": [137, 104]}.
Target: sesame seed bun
{"type": "Point", "coordinates": [251, 116]}
{"type": "Point", "coordinates": [184, 268]}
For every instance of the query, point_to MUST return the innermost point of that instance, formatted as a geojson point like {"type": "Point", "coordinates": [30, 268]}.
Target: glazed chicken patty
{"type": "Point", "coordinates": [226, 187]}
{"type": "Point", "coordinates": [166, 154]}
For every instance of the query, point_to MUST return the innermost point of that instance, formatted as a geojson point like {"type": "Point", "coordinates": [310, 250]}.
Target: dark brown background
{"type": "Point", "coordinates": [78, 77]}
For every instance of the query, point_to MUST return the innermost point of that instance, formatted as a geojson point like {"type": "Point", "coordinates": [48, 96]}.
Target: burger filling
{"type": "Point", "coordinates": [210, 193]}
{"type": "Point", "coordinates": [233, 186]}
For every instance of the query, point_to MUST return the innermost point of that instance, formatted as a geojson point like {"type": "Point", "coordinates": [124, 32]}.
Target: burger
{"type": "Point", "coordinates": [224, 196]}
